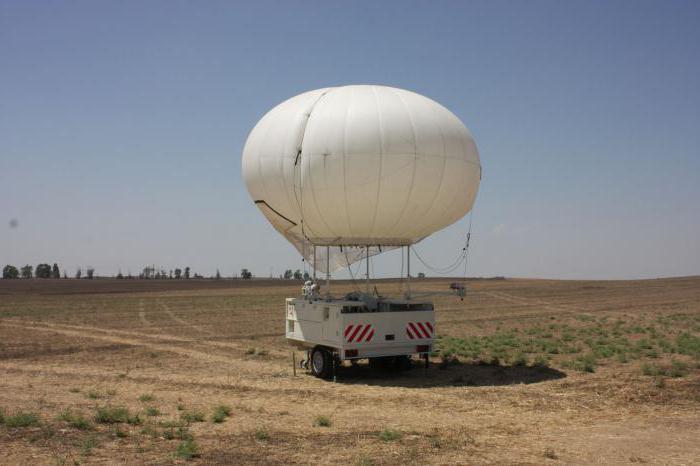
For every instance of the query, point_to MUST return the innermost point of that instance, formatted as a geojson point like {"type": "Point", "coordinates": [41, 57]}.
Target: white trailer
{"type": "Point", "coordinates": [359, 327]}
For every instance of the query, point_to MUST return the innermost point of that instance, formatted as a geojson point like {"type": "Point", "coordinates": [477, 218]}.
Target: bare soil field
{"type": "Point", "coordinates": [526, 372]}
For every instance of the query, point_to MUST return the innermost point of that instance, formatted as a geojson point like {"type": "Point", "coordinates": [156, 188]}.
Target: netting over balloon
{"type": "Point", "coordinates": [357, 166]}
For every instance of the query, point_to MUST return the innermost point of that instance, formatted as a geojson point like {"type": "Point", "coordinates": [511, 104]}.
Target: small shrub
{"type": "Point", "coordinates": [152, 411]}
{"type": "Point", "coordinates": [221, 412]}
{"type": "Point", "coordinates": [112, 415]}
{"type": "Point", "coordinates": [660, 382]}
{"type": "Point", "coordinates": [76, 421]}
{"type": "Point", "coordinates": [520, 359]}
{"type": "Point", "coordinates": [389, 435]}
{"type": "Point", "coordinates": [134, 420]}
{"type": "Point", "coordinates": [261, 434]}
{"type": "Point", "coordinates": [187, 449]}
{"type": "Point", "coordinates": [119, 433]}
{"type": "Point", "coordinates": [21, 419]}
{"type": "Point", "coordinates": [652, 369]}
{"type": "Point", "coordinates": [678, 369]}
{"type": "Point", "coordinates": [94, 395]}
{"type": "Point", "coordinates": [192, 416]}
{"type": "Point", "coordinates": [323, 421]}
{"type": "Point", "coordinates": [540, 361]}
{"type": "Point", "coordinates": [647, 369]}
{"type": "Point", "coordinates": [146, 397]}
{"type": "Point", "coordinates": [364, 461]}
{"type": "Point", "coordinates": [585, 363]}
{"type": "Point", "coordinates": [150, 430]}
{"type": "Point", "coordinates": [183, 433]}
{"type": "Point", "coordinates": [88, 444]}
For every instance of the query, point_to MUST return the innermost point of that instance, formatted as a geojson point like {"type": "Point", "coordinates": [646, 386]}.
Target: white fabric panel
{"type": "Point", "coordinates": [378, 166]}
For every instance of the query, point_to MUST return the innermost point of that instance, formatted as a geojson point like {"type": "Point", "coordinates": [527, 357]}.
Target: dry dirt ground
{"type": "Point", "coordinates": [535, 372]}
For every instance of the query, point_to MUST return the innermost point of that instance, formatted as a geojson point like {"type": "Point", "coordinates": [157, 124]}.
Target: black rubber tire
{"type": "Point", "coordinates": [321, 363]}
{"type": "Point", "coordinates": [402, 363]}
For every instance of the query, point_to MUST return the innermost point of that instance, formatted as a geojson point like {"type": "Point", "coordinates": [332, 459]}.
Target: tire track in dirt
{"type": "Point", "coordinates": [142, 315]}
{"type": "Point", "coordinates": [136, 339]}
{"type": "Point", "coordinates": [182, 321]}
{"type": "Point", "coordinates": [534, 302]}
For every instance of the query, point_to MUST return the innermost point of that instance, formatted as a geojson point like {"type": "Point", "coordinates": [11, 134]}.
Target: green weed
{"type": "Point", "coordinates": [323, 421]}
{"type": "Point", "coordinates": [389, 435]}
{"type": "Point", "coordinates": [21, 419]}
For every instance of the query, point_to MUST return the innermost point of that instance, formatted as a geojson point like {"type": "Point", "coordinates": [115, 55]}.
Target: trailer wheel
{"type": "Point", "coordinates": [402, 363]}
{"type": "Point", "coordinates": [321, 363]}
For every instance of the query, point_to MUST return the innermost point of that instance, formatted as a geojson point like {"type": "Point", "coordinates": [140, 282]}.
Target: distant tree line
{"type": "Point", "coordinates": [10, 272]}
{"type": "Point", "coordinates": [149, 272]}
{"type": "Point", "coordinates": [296, 275]}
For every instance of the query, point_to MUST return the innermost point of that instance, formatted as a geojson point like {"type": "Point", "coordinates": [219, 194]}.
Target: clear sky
{"type": "Point", "coordinates": [122, 125]}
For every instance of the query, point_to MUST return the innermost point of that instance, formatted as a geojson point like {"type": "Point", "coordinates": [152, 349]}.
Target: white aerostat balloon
{"type": "Point", "coordinates": [357, 166]}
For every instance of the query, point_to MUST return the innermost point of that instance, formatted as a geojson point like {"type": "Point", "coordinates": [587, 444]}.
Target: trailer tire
{"type": "Point", "coordinates": [402, 363]}
{"type": "Point", "coordinates": [321, 363]}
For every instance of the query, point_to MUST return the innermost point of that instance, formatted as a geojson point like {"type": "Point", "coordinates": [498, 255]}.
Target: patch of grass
{"type": "Point", "coordinates": [323, 421]}
{"type": "Point", "coordinates": [652, 369]}
{"type": "Point", "coordinates": [119, 433]}
{"type": "Point", "coordinates": [88, 444]}
{"type": "Point", "coordinates": [146, 397]}
{"type": "Point", "coordinates": [365, 461]}
{"type": "Point", "coordinates": [21, 419]}
{"type": "Point", "coordinates": [585, 363]}
{"type": "Point", "coordinates": [261, 434]}
{"type": "Point", "coordinates": [152, 411]}
{"type": "Point", "coordinates": [192, 416]}
{"type": "Point", "coordinates": [221, 412]}
{"type": "Point", "coordinates": [256, 352]}
{"type": "Point", "coordinates": [660, 382]}
{"type": "Point", "coordinates": [94, 395]}
{"type": "Point", "coordinates": [678, 369]}
{"type": "Point", "coordinates": [389, 435]}
{"type": "Point", "coordinates": [150, 430]}
{"type": "Point", "coordinates": [688, 344]}
{"type": "Point", "coordinates": [187, 449]}
{"type": "Point", "coordinates": [75, 420]}
{"type": "Point", "coordinates": [112, 415]}
{"type": "Point", "coordinates": [520, 359]}
{"type": "Point", "coordinates": [540, 361]}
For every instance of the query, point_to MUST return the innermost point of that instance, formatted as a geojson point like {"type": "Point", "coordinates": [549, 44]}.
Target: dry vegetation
{"type": "Point", "coordinates": [528, 371]}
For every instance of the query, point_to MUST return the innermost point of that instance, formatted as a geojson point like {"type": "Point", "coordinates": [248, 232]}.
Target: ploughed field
{"type": "Point", "coordinates": [527, 371]}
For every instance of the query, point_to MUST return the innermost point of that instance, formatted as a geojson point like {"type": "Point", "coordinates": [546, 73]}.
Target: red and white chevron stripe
{"type": "Point", "coordinates": [419, 330]}
{"type": "Point", "coordinates": [359, 333]}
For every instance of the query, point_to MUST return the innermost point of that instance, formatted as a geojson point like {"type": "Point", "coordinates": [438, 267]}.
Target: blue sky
{"type": "Point", "coordinates": [122, 125]}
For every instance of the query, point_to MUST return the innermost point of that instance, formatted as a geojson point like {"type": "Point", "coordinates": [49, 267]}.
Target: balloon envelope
{"type": "Point", "coordinates": [357, 166]}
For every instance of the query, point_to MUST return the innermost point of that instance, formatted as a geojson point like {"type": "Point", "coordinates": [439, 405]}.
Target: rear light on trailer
{"type": "Point", "coordinates": [422, 348]}
{"type": "Point", "coordinates": [351, 353]}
